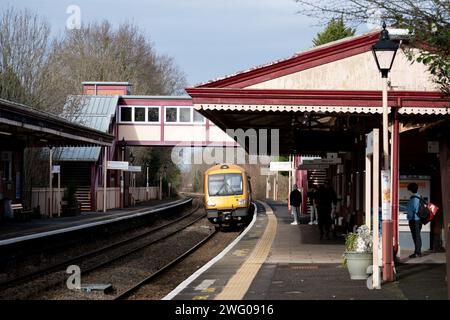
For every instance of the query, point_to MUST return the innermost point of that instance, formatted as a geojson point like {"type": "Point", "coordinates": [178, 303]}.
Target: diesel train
{"type": "Point", "coordinates": [227, 195]}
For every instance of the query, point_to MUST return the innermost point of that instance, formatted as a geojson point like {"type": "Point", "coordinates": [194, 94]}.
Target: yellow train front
{"type": "Point", "coordinates": [228, 195]}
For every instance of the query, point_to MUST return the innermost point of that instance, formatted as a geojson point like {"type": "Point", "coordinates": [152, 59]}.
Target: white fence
{"type": "Point", "coordinates": [41, 197]}
{"type": "Point", "coordinates": [140, 193]}
{"type": "Point", "coordinates": [113, 196]}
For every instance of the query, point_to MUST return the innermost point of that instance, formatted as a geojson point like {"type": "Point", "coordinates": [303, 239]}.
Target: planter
{"type": "Point", "coordinates": [70, 211]}
{"type": "Point", "coordinates": [357, 264]}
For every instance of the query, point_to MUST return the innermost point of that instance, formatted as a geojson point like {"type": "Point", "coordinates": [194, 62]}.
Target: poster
{"type": "Point", "coordinates": [386, 209]}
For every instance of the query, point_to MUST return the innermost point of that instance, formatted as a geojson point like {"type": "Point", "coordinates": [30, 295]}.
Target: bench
{"type": "Point", "coordinates": [19, 213]}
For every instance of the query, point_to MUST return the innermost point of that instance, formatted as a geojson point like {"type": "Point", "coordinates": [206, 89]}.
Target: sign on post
{"type": "Point", "coordinates": [134, 168]}
{"type": "Point", "coordinates": [56, 169]}
{"type": "Point", "coordinates": [280, 166]}
{"type": "Point", "coordinates": [117, 165]}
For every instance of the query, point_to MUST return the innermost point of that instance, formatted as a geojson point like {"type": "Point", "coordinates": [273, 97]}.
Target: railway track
{"type": "Point", "coordinates": [109, 258]}
{"type": "Point", "coordinates": [126, 293]}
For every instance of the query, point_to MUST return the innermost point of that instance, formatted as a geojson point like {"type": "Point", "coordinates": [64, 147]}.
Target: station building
{"type": "Point", "coordinates": [326, 100]}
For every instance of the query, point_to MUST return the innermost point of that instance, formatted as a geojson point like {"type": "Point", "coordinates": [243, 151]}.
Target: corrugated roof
{"type": "Point", "coordinates": [94, 112]}
{"type": "Point", "coordinates": [89, 154]}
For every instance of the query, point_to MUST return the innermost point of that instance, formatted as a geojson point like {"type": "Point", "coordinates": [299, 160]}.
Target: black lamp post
{"type": "Point", "coordinates": [384, 53]}
{"type": "Point", "coordinates": [131, 158]}
{"type": "Point", "coordinates": [147, 168]}
{"type": "Point", "coordinates": [122, 146]}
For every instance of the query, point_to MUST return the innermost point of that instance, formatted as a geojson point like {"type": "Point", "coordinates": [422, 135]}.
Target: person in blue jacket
{"type": "Point", "coordinates": [415, 225]}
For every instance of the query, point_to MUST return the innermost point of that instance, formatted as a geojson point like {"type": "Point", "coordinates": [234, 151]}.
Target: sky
{"type": "Point", "coordinates": [208, 39]}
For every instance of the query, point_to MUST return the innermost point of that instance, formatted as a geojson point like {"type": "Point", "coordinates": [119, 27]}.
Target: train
{"type": "Point", "coordinates": [227, 195]}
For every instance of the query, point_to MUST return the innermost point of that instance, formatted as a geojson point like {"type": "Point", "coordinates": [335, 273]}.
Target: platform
{"type": "Point", "coordinates": [13, 232]}
{"type": "Point", "coordinates": [275, 260]}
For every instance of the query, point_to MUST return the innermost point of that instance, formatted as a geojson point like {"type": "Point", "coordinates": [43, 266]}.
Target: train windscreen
{"type": "Point", "coordinates": [225, 184]}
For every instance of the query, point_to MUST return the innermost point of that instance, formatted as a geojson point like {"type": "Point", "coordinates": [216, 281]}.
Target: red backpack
{"type": "Point", "coordinates": [426, 211]}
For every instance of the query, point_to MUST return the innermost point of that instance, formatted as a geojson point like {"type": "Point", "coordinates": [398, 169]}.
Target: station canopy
{"type": "Point", "coordinates": [35, 128]}
{"type": "Point", "coordinates": [324, 98]}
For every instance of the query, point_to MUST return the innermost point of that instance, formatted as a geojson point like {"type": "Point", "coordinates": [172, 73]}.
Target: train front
{"type": "Point", "coordinates": [227, 195]}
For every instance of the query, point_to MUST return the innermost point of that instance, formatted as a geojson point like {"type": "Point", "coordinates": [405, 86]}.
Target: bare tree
{"type": "Point", "coordinates": [23, 55]}
{"type": "Point", "coordinates": [97, 52]}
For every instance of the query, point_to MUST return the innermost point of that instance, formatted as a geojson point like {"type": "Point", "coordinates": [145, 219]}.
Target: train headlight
{"type": "Point", "coordinates": [242, 202]}
{"type": "Point", "coordinates": [211, 202]}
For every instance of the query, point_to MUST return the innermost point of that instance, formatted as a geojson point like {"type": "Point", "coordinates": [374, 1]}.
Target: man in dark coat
{"type": "Point", "coordinates": [294, 203]}
{"type": "Point", "coordinates": [326, 201]}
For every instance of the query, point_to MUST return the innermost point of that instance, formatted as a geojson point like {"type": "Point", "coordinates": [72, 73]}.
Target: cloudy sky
{"type": "Point", "coordinates": [207, 38]}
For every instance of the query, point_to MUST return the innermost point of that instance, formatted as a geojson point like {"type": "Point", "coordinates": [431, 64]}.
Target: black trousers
{"type": "Point", "coordinates": [416, 226]}
{"type": "Point", "coordinates": [324, 220]}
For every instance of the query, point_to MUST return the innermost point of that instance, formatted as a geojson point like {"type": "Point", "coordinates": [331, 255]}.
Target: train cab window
{"type": "Point", "coordinates": [225, 184]}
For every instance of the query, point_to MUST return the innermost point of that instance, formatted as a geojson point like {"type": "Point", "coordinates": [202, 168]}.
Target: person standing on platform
{"type": "Point", "coordinates": [415, 225]}
{"type": "Point", "coordinates": [326, 201]}
{"type": "Point", "coordinates": [294, 203]}
{"type": "Point", "coordinates": [312, 201]}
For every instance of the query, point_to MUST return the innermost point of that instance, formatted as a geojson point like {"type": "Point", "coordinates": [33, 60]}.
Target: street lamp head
{"type": "Point", "coordinates": [122, 144]}
{"type": "Point", "coordinates": [384, 52]}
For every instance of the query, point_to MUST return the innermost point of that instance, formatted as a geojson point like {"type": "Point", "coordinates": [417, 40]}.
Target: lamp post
{"type": "Point", "coordinates": [50, 208]}
{"type": "Point", "coordinates": [133, 180]}
{"type": "Point", "coordinates": [123, 145]}
{"type": "Point", "coordinates": [147, 167]}
{"type": "Point", "coordinates": [131, 158]}
{"type": "Point", "coordinates": [160, 181]}
{"type": "Point", "coordinates": [384, 53]}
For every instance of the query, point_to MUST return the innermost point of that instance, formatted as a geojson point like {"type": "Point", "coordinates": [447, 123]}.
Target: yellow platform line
{"type": "Point", "coordinates": [238, 285]}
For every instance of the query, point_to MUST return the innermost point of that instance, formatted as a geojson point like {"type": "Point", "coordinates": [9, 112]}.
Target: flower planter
{"type": "Point", "coordinates": [357, 264]}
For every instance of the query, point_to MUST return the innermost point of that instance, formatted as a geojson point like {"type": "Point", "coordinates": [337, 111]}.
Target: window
{"type": "Point", "coordinates": [153, 114]}
{"type": "Point", "coordinates": [225, 184]}
{"type": "Point", "coordinates": [185, 114]}
{"type": "Point", "coordinates": [125, 114]}
{"type": "Point", "coordinates": [139, 114]}
{"type": "Point", "coordinates": [198, 117]}
{"type": "Point", "coordinates": [171, 114]}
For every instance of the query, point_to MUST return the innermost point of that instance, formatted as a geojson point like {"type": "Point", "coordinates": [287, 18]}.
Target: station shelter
{"type": "Point", "coordinates": [325, 100]}
{"type": "Point", "coordinates": [23, 127]}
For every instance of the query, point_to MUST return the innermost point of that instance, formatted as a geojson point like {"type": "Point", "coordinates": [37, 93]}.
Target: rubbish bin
{"type": "Point", "coordinates": [7, 209]}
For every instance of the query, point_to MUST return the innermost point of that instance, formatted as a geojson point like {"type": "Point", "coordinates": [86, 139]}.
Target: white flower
{"type": "Point", "coordinates": [364, 240]}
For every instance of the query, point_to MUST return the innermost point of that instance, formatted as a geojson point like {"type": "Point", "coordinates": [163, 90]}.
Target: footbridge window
{"type": "Point", "coordinates": [183, 115]}
{"type": "Point", "coordinates": [139, 114]}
